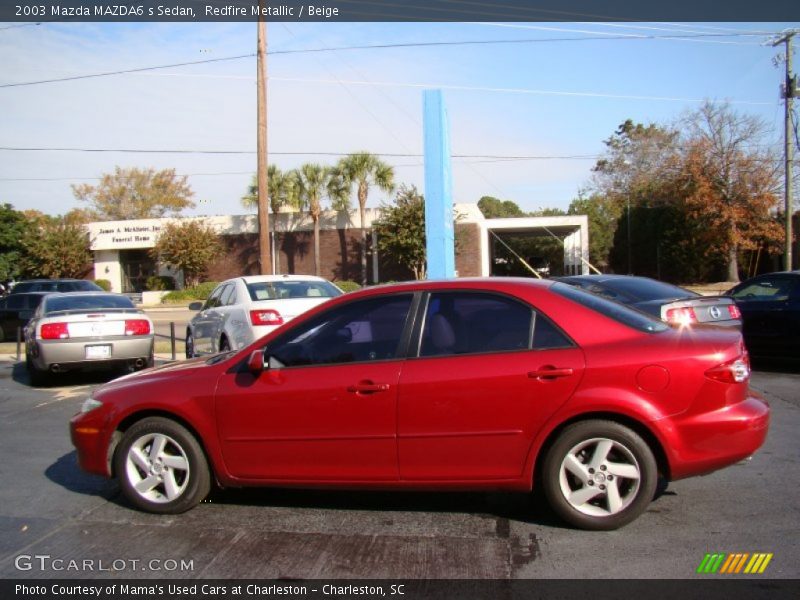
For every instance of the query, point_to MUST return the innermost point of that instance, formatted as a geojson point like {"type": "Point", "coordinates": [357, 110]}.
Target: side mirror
{"type": "Point", "coordinates": [255, 364]}
{"type": "Point", "coordinates": [196, 306]}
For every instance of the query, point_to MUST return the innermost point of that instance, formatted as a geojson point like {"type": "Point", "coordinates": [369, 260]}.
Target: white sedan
{"type": "Point", "coordinates": [243, 309]}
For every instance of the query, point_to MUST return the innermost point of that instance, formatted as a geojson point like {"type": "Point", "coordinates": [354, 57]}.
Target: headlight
{"type": "Point", "coordinates": [90, 404]}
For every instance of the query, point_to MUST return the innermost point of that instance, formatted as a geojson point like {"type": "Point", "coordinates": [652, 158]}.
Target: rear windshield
{"type": "Point", "coordinates": [642, 290]}
{"type": "Point", "coordinates": [279, 290]}
{"type": "Point", "coordinates": [614, 310]}
{"type": "Point", "coordinates": [87, 302]}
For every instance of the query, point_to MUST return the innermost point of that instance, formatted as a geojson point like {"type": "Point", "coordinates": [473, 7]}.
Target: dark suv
{"type": "Point", "coordinates": [15, 311]}
{"type": "Point", "coordinates": [55, 285]}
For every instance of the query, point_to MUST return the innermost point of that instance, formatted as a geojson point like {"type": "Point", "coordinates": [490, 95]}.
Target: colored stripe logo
{"type": "Point", "coordinates": [732, 564]}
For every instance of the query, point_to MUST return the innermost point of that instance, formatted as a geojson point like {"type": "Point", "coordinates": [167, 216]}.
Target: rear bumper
{"type": "Point", "coordinates": [701, 443]}
{"type": "Point", "coordinates": [71, 354]}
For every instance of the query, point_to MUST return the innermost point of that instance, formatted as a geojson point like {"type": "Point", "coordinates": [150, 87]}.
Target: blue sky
{"type": "Point", "coordinates": [556, 98]}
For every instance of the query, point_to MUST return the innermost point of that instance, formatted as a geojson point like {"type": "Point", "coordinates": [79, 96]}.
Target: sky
{"type": "Point", "coordinates": [552, 100]}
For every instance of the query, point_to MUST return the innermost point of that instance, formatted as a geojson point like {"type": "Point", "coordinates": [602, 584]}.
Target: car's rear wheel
{"type": "Point", "coordinates": [36, 376]}
{"type": "Point", "coordinates": [224, 344]}
{"type": "Point", "coordinates": [161, 467]}
{"type": "Point", "coordinates": [599, 475]}
{"type": "Point", "coordinates": [189, 345]}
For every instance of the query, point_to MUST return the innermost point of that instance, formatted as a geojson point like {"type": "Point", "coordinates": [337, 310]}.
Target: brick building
{"type": "Point", "coordinates": [121, 248]}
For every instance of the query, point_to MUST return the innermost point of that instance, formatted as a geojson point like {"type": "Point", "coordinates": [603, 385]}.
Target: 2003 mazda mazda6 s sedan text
{"type": "Point", "coordinates": [487, 384]}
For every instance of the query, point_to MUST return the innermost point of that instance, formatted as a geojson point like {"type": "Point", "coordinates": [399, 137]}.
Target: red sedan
{"type": "Point", "coordinates": [487, 384]}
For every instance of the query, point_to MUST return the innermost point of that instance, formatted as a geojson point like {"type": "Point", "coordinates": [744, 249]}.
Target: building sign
{"type": "Point", "coordinates": [120, 235]}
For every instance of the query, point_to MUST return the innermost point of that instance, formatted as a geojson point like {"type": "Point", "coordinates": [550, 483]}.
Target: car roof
{"type": "Point", "coordinates": [273, 278]}
{"type": "Point", "coordinates": [44, 279]}
{"type": "Point", "coordinates": [601, 278]}
{"type": "Point", "coordinates": [80, 294]}
{"type": "Point", "coordinates": [477, 283]}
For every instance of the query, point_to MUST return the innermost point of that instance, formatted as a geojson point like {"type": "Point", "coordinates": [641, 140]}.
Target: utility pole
{"type": "Point", "coordinates": [265, 259]}
{"type": "Point", "coordinates": [790, 93]}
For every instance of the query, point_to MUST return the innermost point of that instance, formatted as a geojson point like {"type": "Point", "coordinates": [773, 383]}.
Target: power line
{"type": "Point", "coordinates": [294, 153]}
{"type": "Point", "coordinates": [370, 47]}
{"type": "Point", "coordinates": [126, 71]}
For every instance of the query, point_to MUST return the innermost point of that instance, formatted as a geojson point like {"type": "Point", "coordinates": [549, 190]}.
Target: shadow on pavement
{"type": "Point", "coordinates": [66, 473]}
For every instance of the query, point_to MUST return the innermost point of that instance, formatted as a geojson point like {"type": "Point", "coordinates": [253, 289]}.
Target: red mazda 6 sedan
{"type": "Point", "coordinates": [486, 384]}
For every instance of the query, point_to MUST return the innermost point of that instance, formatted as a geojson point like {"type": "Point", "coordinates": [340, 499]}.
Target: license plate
{"type": "Point", "coordinates": [96, 352]}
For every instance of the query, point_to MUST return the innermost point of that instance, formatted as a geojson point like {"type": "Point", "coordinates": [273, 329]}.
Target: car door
{"type": "Point", "coordinates": [769, 314]}
{"type": "Point", "coordinates": [326, 407]}
{"type": "Point", "coordinates": [489, 373]}
{"type": "Point", "coordinates": [204, 323]}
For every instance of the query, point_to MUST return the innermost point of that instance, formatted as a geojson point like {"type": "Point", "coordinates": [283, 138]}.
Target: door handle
{"type": "Point", "coordinates": [548, 373]}
{"type": "Point", "coordinates": [367, 387]}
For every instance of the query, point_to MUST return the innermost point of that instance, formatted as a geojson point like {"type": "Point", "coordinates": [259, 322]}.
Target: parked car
{"type": "Point", "coordinates": [243, 309]}
{"type": "Point", "coordinates": [668, 302]}
{"type": "Point", "coordinates": [15, 312]}
{"type": "Point", "coordinates": [770, 306]}
{"type": "Point", "coordinates": [55, 285]}
{"type": "Point", "coordinates": [485, 384]}
{"type": "Point", "coordinates": [86, 330]}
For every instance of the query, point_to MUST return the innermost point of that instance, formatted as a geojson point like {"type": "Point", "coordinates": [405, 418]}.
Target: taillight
{"type": "Point", "coordinates": [54, 331]}
{"type": "Point", "coordinates": [267, 316]}
{"type": "Point", "coordinates": [137, 327]}
{"type": "Point", "coordinates": [734, 311]}
{"type": "Point", "coordinates": [681, 316]}
{"type": "Point", "coordinates": [733, 371]}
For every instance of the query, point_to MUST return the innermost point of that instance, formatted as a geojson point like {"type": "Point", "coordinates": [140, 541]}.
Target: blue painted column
{"type": "Point", "coordinates": [438, 188]}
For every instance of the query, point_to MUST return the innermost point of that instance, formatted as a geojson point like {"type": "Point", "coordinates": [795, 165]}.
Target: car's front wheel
{"type": "Point", "coordinates": [599, 475]}
{"type": "Point", "coordinates": [161, 467]}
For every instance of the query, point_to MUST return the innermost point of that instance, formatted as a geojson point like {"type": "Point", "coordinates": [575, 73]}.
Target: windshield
{"type": "Point", "coordinates": [281, 290]}
{"type": "Point", "coordinates": [614, 310]}
{"type": "Point", "coordinates": [86, 302]}
{"type": "Point", "coordinates": [641, 289]}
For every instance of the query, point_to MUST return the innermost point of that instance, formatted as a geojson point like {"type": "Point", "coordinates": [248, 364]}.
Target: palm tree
{"type": "Point", "coordinates": [314, 183]}
{"type": "Point", "coordinates": [365, 169]}
{"type": "Point", "coordinates": [281, 189]}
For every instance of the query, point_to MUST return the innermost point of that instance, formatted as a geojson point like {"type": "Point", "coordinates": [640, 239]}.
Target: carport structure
{"type": "Point", "coordinates": [572, 231]}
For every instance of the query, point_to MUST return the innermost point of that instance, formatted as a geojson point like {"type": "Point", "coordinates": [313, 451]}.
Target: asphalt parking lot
{"type": "Point", "coordinates": [48, 507]}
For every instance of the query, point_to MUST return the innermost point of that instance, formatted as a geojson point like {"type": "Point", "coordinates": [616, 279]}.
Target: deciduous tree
{"type": "Point", "coordinates": [190, 246]}
{"type": "Point", "coordinates": [57, 247]}
{"type": "Point", "coordinates": [14, 230]}
{"type": "Point", "coordinates": [133, 193]}
{"type": "Point", "coordinates": [401, 231]}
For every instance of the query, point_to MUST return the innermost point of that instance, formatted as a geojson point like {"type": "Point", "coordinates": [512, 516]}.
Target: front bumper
{"type": "Point", "coordinates": [702, 443]}
{"type": "Point", "coordinates": [92, 441]}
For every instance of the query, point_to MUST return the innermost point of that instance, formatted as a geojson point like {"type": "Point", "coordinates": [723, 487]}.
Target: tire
{"type": "Point", "coordinates": [224, 344]}
{"type": "Point", "coordinates": [36, 376]}
{"type": "Point", "coordinates": [599, 475]}
{"type": "Point", "coordinates": [161, 467]}
{"type": "Point", "coordinates": [189, 345]}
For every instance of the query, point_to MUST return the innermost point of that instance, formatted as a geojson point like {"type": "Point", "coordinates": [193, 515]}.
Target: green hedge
{"type": "Point", "coordinates": [158, 283]}
{"type": "Point", "coordinates": [200, 292]}
{"type": "Point", "coordinates": [347, 286]}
